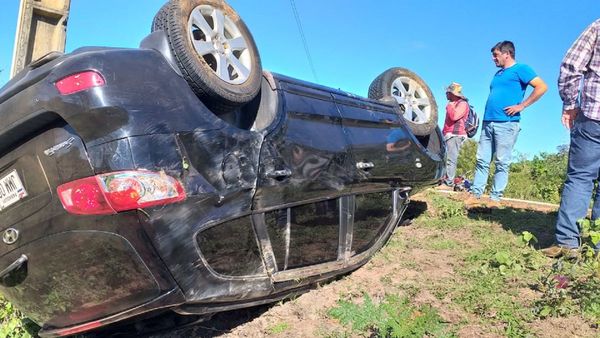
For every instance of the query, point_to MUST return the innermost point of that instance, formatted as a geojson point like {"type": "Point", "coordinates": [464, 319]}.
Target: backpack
{"type": "Point", "coordinates": [471, 122]}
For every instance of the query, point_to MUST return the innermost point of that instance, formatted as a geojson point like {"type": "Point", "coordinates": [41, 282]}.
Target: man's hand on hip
{"type": "Point", "coordinates": [568, 117]}
{"type": "Point", "coordinates": [512, 110]}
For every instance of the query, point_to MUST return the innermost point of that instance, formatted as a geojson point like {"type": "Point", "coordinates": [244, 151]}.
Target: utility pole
{"type": "Point", "coordinates": [41, 28]}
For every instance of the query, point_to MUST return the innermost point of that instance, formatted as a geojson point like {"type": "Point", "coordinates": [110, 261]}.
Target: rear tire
{"type": "Point", "coordinates": [214, 51]}
{"type": "Point", "coordinates": [413, 96]}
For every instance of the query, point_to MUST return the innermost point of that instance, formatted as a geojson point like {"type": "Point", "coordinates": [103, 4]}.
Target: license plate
{"type": "Point", "coordinates": [11, 190]}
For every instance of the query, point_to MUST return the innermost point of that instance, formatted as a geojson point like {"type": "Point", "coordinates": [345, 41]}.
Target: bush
{"type": "Point", "coordinates": [540, 178]}
{"type": "Point", "coordinates": [13, 324]}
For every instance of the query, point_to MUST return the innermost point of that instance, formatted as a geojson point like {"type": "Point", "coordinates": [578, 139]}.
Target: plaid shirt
{"type": "Point", "coordinates": [582, 61]}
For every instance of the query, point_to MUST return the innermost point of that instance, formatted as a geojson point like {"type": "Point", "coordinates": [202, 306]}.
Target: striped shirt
{"type": "Point", "coordinates": [582, 61]}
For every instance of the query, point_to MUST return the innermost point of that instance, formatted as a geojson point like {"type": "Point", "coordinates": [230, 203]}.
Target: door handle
{"type": "Point", "coordinates": [365, 165]}
{"type": "Point", "coordinates": [279, 174]}
{"type": "Point", "coordinates": [15, 273]}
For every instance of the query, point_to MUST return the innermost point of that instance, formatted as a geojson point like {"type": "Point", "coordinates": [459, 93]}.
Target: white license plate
{"type": "Point", "coordinates": [11, 190]}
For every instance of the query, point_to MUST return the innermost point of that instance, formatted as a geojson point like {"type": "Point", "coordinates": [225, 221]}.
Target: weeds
{"type": "Point", "coordinates": [445, 208]}
{"type": "Point", "coordinates": [13, 324]}
{"type": "Point", "coordinates": [572, 284]}
{"type": "Point", "coordinates": [496, 277]}
{"type": "Point", "coordinates": [495, 299]}
{"type": "Point", "coordinates": [393, 317]}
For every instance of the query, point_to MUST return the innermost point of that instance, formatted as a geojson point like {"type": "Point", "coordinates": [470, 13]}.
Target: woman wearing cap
{"type": "Point", "coordinates": [454, 128]}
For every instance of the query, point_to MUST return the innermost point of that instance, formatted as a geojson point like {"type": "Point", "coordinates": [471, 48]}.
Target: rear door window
{"type": "Point", "coordinates": [372, 214]}
{"type": "Point", "coordinates": [304, 235]}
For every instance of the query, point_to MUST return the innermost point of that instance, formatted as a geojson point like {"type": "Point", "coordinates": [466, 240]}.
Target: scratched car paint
{"type": "Point", "coordinates": [139, 196]}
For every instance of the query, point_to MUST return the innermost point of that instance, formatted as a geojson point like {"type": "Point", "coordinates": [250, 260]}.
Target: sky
{"type": "Point", "coordinates": [351, 42]}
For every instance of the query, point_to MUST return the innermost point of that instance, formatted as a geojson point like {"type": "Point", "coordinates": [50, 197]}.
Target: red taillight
{"type": "Point", "coordinates": [78, 82]}
{"type": "Point", "coordinates": [119, 191]}
{"type": "Point", "coordinates": [84, 197]}
{"type": "Point", "coordinates": [79, 328]}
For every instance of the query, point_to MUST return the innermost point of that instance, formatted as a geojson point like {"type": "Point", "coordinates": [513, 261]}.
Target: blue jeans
{"type": "Point", "coordinates": [453, 144]}
{"type": "Point", "coordinates": [582, 171]}
{"type": "Point", "coordinates": [497, 140]}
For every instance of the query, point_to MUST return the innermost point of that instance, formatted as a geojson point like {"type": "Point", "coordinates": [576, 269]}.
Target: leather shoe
{"type": "Point", "coordinates": [556, 251]}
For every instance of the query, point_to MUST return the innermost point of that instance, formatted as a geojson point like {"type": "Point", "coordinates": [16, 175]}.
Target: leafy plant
{"type": "Point", "coordinates": [590, 235]}
{"type": "Point", "coordinates": [527, 237]}
{"type": "Point", "coordinates": [13, 324]}
{"type": "Point", "coordinates": [394, 317]}
{"type": "Point", "coordinates": [555, 300]}
{"type": "Point", "coordinates": [572, 283]}
{"type": "Point", "coordinates": [504, 261]}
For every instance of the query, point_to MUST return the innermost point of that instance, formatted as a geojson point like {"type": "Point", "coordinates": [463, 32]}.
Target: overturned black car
{"type": "Point", "coordinates": [182, 177]}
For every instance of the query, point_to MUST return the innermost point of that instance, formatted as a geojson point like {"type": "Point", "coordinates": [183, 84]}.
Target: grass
{"type": "Point", "coordinates": [500, 283]}
{"type": "Point", "coordinates": [495, 281]}
{"type": "Point", "coordinates": [278, 328]}
{"type": "Point", "coordinates": [440, 242]}
{"type": "Point", "coordinates": [391, 317]}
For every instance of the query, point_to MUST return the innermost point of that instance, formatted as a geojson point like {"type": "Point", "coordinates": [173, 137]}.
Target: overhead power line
{"type": "Point", "coordinates": [303, 37]}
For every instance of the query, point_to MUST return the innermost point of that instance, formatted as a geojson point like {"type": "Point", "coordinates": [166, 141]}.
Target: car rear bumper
{"type": "Point", "coordinates": [165, 301]}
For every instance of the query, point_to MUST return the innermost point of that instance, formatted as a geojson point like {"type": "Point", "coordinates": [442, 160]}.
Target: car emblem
{"type": "Point", "coordinates": [63, 145]}
{"type": "Point", "coordinates": [10, 236]}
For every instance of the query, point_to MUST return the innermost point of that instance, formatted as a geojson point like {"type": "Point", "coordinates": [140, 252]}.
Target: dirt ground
{"type": "Point", "coordinates": [402, 268]}
{"type": "Point", "coordinates": [505, 202]}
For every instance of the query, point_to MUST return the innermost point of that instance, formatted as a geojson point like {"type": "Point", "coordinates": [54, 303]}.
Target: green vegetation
{"type": "Point", "coordinates": [539, 179]}
{"type": "Point", "coordinates": [571, 286]}
{"type": "Point", "coordinates": [446, 208]}
{"type": "Point", "coordinates": [392, 317]}
{"type": "Point", "coordinates": [13, 324]}
{"type": "Point", "coordinates": [278, 328]}
{"type": "Point", "coordinates": [500, 283]}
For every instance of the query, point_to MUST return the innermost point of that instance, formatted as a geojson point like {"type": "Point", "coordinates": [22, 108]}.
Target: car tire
{"type": "Point", "coordinates": [413, 96]}
{"type": "Point", "coordinates": [214, 50]}
{"type": "Point", "coordinates": [160, 21]}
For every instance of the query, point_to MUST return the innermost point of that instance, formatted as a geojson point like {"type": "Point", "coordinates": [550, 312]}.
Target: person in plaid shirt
{"type": "Point", "coordinates": [581, 114]}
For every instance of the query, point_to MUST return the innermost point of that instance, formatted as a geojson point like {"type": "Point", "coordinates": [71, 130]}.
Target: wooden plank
{"type": "Point", "coordinates": [41, 28]}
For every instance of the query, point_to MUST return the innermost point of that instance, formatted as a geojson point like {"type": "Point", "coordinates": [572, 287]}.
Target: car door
{"type": "Point", "coordinates": [306, 157]}
{"type": "Point", "coordinates": [305, 170]}
{"type": "Point", "coordinates": [383, 150]}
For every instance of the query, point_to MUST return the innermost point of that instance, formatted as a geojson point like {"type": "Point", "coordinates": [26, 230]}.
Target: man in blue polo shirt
{"type": "Point", "coordinates": [500, 126]}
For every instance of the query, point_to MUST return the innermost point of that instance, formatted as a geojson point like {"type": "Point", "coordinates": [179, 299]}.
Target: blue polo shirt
{"type": "Point", "coordinates": [507, 89]}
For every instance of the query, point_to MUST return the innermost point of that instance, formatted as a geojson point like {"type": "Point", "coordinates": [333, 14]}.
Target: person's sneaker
{"type": "Point", "coordinates": [556, 251]}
